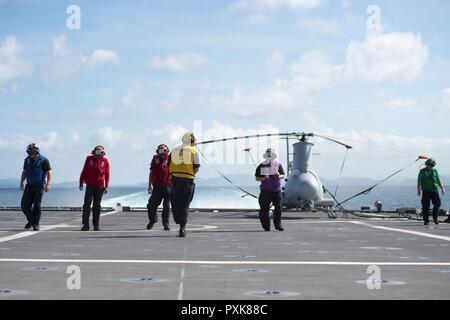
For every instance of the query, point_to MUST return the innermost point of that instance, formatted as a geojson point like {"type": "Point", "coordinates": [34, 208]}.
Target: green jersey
{"type": "Point", "coordinates": [429, 180]}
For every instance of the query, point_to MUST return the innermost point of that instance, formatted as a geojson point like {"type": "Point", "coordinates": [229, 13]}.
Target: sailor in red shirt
{"type": "Point", "coordinates": [96, 176]}
{"type": "Point", "coordinates": [159, 186]}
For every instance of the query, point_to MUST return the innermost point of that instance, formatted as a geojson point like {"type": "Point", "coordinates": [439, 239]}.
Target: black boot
{"type": "Point", "coordinates": [28, 226]}
{"type": "Point", "coordinates": [166, 227]}
{"type": "Point", "coordinates": [85, 228]}
{"type": "Point", "coordinates": [279, 227]}
{"type": "Point", "coordinates": [182, 233]}
{"type": "Point", "coordinates": [150, 226]}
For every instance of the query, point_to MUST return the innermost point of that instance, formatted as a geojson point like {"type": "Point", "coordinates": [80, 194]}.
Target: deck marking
{"type": "Point", "coordinates": [417, 233]}
{"type": "Point", "coordinates": [193, 227]}
{"type": "Point", "coordinates": [183, 271]}
{"type": "Point", "coordinates": [26, 234]}
{"type": "Point", "coordinates": [188, 262]}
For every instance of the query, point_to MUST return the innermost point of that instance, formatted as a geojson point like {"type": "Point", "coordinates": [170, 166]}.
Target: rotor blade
{"type": "Point", "coordinates": [249, 137]}
{"type": "Point", "coordinates": [333, 140]}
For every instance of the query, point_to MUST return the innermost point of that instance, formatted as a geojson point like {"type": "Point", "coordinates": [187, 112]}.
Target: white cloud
{"type": "Point", "coordinates": [275, 4]}
{"type": "Point", "coordinates": [387, 57]}
{"type": "Point", "coordinates": [173, 99]}
{"type": "Point", "coordinates": [346, 4]}
{"type": "Point", "coordinates": [101, 57]}
{"type": "Point", "coordinates": [48, 141]}
{"type": "Point", "coordinates": [137, 98]}
{"type": "Point", "coordinates": [12, 65]}
{"type": "Point", "coordinates": [66, 62]}
{"type": "Point", "coordinates": [74, 136]}
{"type": "Point", "coordinates": [401, 103]}
{"type": "Point", "coordinates": [446, 98]}
{"type": "Point", "coordinates": [107, 136]}
{"type": "Point", "coordinates": [258, 19]}
{"type": "Point", "coordinates": [383, 57]}
{"type": "Point", "coordinates": [180, 62]}
{"type": "Point", "coordinates": [275, 61]}
{"type": "Point", "coordinates": [320, 25]}
{"type": "Point", "coordinates": [104, 112]}
{"type": "Point", "coordinates": [311, 73]}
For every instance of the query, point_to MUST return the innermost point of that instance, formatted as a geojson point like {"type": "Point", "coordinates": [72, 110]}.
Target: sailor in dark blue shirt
{"type": "Point", "coordinates": [37, 172]}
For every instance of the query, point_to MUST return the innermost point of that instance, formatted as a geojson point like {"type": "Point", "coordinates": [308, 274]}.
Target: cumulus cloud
{"type": "Point", "coordinates": [48, 141]}
{"type": "Point", "coordinates": [320, 25]}
{"type": "Point", "coordinates": [143, 98]}
{"type": "Point", "coordinates": [179, 62]}
{"type": "Point", "coordinates": [311, 73]}
{"type": "Point", "coordinates": [65, 62]}
{"type": "Point", "coordinates": [387, 57]}
{"type": "Point", "coordinates": [446, 98]}
{"type": "Point", "coordinates": [275, 4]}
{"type": "Point", "coordinates": [74, 136]}
{"type": "Point", "coordinates": [101, 57]}
{"type": "Point", "coordinates": [12, 64]}
{"type": "Point", "coordinates": [107, 136]}
{"type": "Point", "coordinates": [384, 57]}
{"type": "Point", "coordinates": [258, 19]}
{"type": "Point", "coordinates": [401, 103]}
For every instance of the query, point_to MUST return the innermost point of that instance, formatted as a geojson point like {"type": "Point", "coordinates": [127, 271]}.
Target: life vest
{"type": "Point", "coordinates": [160, 171]}
{"type": "Point", "coordinates": [270, 169]}
{"type": "Point", "coordinates": [182, 161]}
{"type": "Point", "coordinates": [95, 172]}
{"type": "Point", "coordinates": [34, 172]}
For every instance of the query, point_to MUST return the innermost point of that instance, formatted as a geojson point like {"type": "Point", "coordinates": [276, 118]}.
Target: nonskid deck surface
{"type": "Point", "coordinates": [224, 256]}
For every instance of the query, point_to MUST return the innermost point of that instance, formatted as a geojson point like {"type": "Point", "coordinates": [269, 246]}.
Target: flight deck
{"type": "Point", "coordinates": [225, 256]}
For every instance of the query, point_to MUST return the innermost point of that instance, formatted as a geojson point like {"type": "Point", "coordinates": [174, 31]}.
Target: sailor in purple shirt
{"type": "Point", "coordinates": [270, 173]}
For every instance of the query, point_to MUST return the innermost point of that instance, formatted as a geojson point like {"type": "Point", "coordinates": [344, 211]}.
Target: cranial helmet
{"type": "Point", "coordinates": [162, 149]}
{"type": "Point", "coordinates": [189, 139]}
{"type": "Point", "coordinates": [430, 162]}
{"type": "Point", "coordinates": [99, 151]}
{"type": "Point", "coordinates": [270, 154]}
{"type": "Point", "coordinates": [32, 149]}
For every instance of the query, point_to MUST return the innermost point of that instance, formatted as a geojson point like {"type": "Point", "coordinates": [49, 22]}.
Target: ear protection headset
{"type": "Point", "coordinates": [162, 146]}
{"type": "Point", "coordinates": [189, 138]}
{"type": "Point", "coordinates": [99, 151]}
{"type": "Point", "coordinates": [32, 149]}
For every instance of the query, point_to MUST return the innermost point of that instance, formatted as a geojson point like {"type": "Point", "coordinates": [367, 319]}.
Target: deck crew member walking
{"type": "Point", "coordinates": [96, 176]}
{"type": "Point", "coordinates": [159, 186]}
{"type": "Point", "coordinates": [184, 165]}
{"type": "Point", "coordinates": [38, 173]}
{"type": "Point", "coordinates": [270, 173]}
{"type": "Point", "coordinates": [427, 187]}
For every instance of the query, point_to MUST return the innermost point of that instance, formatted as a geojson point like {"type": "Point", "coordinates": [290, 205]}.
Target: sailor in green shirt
{"type": "Point", "coordinates": [427, 187]}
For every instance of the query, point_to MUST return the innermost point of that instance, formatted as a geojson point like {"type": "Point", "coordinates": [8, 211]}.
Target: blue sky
{"type": "Point", "coordinates": [141, 73]}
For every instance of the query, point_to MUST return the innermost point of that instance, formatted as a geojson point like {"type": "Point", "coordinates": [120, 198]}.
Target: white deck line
{"type": "Point", "coordinates": [26, 234]}
{"type": "Point", "coordinates": [206, 262]}
{"type": "Point", "coordinates": [416, 233]}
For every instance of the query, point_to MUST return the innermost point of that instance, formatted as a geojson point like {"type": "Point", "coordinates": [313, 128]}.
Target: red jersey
{"type": "Point", "coordinates": [160, 171]}
{"type": "Point", "coordinates": [95, 172]}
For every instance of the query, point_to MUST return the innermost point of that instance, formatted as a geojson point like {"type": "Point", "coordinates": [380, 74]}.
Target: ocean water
{"type": "Point", "coordinates": [221, 197]}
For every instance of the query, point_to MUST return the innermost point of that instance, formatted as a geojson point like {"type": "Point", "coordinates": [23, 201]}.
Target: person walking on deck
{"type": "Point", "coordinates": [159, 186]}
{"type": "Point", "coordinates": [95, 175]}
{"type": "Point", "coordinates": [427, 187]}
{"type": "Point", "coordinates": [38, 174]}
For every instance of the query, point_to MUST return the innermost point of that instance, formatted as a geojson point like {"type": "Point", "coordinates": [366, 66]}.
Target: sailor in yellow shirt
{"type": "Point", "coordinates": [183, 166]}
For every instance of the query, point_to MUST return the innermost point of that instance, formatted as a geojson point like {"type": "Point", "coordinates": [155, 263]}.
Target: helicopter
{"type": "Point", "coordinates": [303, 189]}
